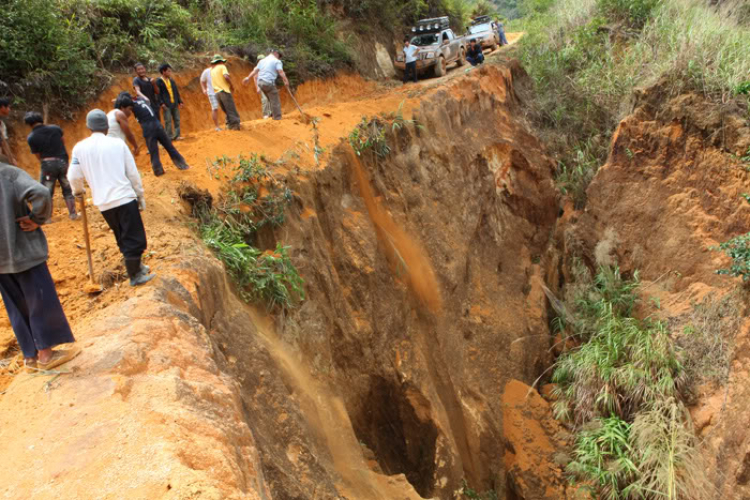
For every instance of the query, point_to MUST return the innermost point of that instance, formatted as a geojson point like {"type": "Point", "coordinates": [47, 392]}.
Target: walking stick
{"type": "Point", "coordinates": [92, 287]}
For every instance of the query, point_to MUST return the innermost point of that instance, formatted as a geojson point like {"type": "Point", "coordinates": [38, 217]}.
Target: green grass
{"type": "Point", "coordinates": [586, 57]}
{"type": "Point", "coordinates": [253, 201]}
{"type": "Point", "coordinates": [622, 389]}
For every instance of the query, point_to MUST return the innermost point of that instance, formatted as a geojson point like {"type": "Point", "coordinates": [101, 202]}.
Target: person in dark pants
{"type": "Point", "coordinates": [153, 132]}
{"type": "Point", "coordinates": [26, 286]}
{"type": "Point", "coordinates": [46, 142]}
{"type": "Point", "coordinates": [264, 75]}
{"type": "Point", "coordinates": [410, 60]}
{"type": "Point", "coordinates": [170, 101]}
{"type": "Point", "coordinates": [223, 88]}
{"type": "Point", "coordinates": [109, 169]}
{"type": "Point", "coordinates": [145, 88]}
{"type": "Point", "coordinates": [475, 55]}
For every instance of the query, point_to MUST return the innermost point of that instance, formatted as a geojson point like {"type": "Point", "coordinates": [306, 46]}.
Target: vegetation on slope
{"type": "Point", "coordinates": [587, 56]}
{"type": "Point", "coordinates": [61, 52]}
{"type": "Point", "coordinates": [253, 201]}
{"type": "Point", "coordinates": [623, 390]}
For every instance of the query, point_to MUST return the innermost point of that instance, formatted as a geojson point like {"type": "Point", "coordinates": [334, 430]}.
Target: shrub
{"type": "Point", "coordinates": [622, 389]}
{"type": "Point", "coordinates": [253, 201]}
{"type": "Point", "coordinates": [635, 12]}
{"type": "Point", "coordinates": [603, 456]}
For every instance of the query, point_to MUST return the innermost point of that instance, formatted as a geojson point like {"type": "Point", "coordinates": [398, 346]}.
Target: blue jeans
{"type": "Point", "coordinates": [410, 71]}
{"type": "Point", "coordinates": [479, 59]}
{"type": "Point", "coordinates": [501, 35]}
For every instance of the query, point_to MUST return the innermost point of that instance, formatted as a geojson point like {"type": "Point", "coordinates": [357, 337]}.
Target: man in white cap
{"type": "Point", "coordinates": [109, 168]}
{"type": "Point", "coordinates": [267, 71]}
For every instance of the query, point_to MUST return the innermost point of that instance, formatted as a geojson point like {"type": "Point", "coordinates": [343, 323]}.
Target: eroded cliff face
{"type": "Point", "coordinates": [670, 192]}
{"type": "Point", "coordinates": [367, 390]}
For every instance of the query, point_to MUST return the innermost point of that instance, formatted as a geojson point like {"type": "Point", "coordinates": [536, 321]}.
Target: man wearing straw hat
{"type": "Point", "coordinates": [109, 168]}
{"type": "Point", "coordinates": [223, 88]}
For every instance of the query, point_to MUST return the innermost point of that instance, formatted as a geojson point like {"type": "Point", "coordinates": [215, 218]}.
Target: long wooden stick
{"type": "Point", "coordinates": [86, 237]}
{"type": "Point", "coordinates": [295, 102]}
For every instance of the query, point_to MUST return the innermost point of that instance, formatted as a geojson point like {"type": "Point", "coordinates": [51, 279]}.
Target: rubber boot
{"type": "Point", "coordinates": [71, 204]}
{"type": "Point", "coordinates": [136, 273]}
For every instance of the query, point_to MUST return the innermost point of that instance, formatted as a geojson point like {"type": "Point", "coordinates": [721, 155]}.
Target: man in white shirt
{"type": "Point", "coordinates": [208, 90]}
{"type": "Point", "coordinates": [109, 169]}
{"type": "Point", "coordinates": [268, 70]}
{"type": "Point", "coordinates": [410, 58]}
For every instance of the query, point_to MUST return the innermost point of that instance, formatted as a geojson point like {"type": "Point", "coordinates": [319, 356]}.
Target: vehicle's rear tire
{"type": "Point", "coordinates": [441, 68]}
{"type": "Point", "coordinates": [462, 58]}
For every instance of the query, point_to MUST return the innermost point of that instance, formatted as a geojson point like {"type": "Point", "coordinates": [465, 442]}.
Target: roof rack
{"type": "Point", "coordinates": [431, 25]}
{"type": "Point", "coordinates": [481, 20]}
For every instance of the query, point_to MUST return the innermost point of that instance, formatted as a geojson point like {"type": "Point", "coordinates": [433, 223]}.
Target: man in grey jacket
{"type": "Point", "coordinates": [26, 286]}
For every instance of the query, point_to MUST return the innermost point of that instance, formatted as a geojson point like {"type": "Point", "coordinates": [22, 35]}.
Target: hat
{"type": "Point", "coordinates": [261, 56]}
{"type": "Point", "coordinates": [96, 120]}
{"type": "Point", "coordinates": [217, 58]}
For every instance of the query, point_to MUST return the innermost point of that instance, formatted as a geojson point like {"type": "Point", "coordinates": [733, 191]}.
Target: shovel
{"type": "Point", "coordinates": [305, 117]}
{"type": "Point", "coordinates": [91, 287]}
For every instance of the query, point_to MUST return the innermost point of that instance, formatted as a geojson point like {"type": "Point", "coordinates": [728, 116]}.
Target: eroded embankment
{"type": "Point", "coordinates": [363, 391]}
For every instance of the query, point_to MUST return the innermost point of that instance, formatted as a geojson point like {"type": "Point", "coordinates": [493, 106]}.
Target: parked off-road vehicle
{"type": "Point", "coordinates": [438, 45]}
{"type": "Point", "coordinates": [483, 32]}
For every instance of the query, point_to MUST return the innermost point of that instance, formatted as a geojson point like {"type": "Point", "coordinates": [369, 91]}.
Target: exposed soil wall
{"type": "Point", "coordinates": [669, 192]}
{"type": "Point", "coordinates": [424, 273]}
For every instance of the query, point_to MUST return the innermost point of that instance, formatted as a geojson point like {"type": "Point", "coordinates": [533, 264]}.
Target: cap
{"type": "Point", "coordinates": [217, 58]}
{"type": "Point", "coordinates": [96, 120]}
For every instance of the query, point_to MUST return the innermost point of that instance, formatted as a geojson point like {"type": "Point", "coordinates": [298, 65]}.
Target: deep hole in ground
{"type": "Point", "coordinates": [387, 423]}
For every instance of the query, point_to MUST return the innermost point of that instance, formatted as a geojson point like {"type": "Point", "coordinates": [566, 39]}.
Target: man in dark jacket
{"type": "Point", "coordinates": [171, 102]}
{"type": "Point", "coordinates": [26, 286]}
{"type": "Point", "coordinates": [475, 55]}
{"type": "Point", "coordinates": [145, 88]}
{"type": "Point", "coordinates": [46, 142]}
{"type": "Point", "coordinates": [153, 132]}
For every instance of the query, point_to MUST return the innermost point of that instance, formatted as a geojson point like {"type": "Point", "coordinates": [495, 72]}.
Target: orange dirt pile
{"type": "Point", "coordinates": [408, 260]}
{"type": "Point", "coordinates": [534, 436]}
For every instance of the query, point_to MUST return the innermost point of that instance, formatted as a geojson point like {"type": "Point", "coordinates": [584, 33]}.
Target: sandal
{"type": "Point", "coordinates": [59, 358]}
{"type": "Point", "coordinates": [30, 364]}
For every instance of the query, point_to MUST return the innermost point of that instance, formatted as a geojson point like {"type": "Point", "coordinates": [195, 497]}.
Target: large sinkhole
{"type": "Point", "coordinates": [388, 424]}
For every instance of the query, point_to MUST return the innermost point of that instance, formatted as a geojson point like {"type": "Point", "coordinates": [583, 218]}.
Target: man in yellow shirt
{"type": "Point", "coordinates": [223, 88]}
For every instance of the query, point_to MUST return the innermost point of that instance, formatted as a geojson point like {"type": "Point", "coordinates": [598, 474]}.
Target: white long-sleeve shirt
{"type": "Point", "coordinates": [109, 168]}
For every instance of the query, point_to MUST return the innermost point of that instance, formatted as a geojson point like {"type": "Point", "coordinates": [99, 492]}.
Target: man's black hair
{"type": "Point", "coordinates": [31, 118]}
{"type": "Point", "coordinates": [473, 40]}
{"type": "Point", "coordinates": [138, 64]}
{"type": "Point", "coordinates": [406, 39]}
{"type": "Point", "coordinates": [124, 100]}
{"type": "Point", "coordinates": [164, 67]}
{"type": "Point", "coordinates": [4, 102]}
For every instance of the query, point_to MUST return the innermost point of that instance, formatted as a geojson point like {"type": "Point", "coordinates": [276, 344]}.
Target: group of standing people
{"type": "Point", "coordinates": [105, 162]}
